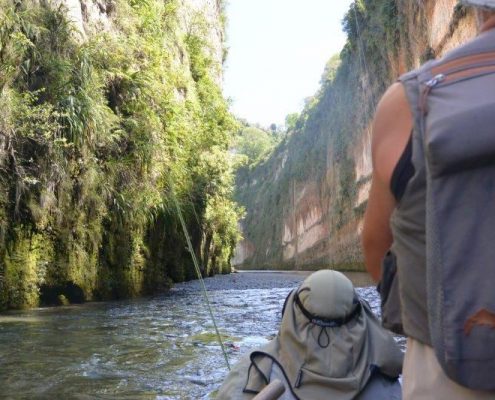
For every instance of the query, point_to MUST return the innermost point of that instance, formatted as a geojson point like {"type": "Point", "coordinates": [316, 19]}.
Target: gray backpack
{"type": "Point", "coordinates": [458, 131]}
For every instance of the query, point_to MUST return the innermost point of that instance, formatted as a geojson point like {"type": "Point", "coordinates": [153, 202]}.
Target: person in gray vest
{"type": "Point", "coordinates": [329, 346]}
{"type": "Point", "coordinates": [408, 166]}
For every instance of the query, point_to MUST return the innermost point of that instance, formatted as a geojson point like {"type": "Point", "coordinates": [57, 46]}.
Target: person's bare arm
{"type": "Point", "coordinates": [377, 236]}
{"type": "Point", "coordinates": [391, 131]}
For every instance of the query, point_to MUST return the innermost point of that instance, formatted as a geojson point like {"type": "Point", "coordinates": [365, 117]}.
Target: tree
{"type": "Point", "coordinates": [291, 121]}
{"type": "Point", "coordinates": [254, 143]}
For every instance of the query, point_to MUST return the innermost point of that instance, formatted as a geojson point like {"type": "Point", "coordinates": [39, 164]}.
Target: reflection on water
{"type": "Point", "coordinates": [158, 348]}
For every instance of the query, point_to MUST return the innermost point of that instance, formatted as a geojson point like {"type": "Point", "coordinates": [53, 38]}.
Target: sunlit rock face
{"type": "Point", "coordinates": [243, 251]}
{"type": "Point", "coordinates": [89, 16]}
{"type": "Point", "coordinates": [211, 11]}
{"type": "Point", "coordinates": [202, 17]}
{"type": "Point", "coordinates": [305, 205]}
{"type": "Point", "coordinates": [307, 226]}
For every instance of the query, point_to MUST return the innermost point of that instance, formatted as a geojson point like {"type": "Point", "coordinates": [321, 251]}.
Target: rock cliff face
{"type": "Point", "coordinates": [111, 114]}
{"type": "Point", "coordinates": [305, 204]}
{"type": "Point", "coordinates": [93, 16]}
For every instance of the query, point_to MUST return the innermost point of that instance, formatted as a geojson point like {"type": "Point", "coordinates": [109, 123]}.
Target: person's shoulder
{"type": "Point", "coordinates": [392, 105]}
{"type": "Point", "coordinates": [392, 127]}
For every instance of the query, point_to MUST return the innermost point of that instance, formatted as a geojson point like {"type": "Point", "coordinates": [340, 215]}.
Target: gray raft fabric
{"type": "Point", "coordinates": [479, 3]}
{"type": "Point", "coordinates": [318, 362]}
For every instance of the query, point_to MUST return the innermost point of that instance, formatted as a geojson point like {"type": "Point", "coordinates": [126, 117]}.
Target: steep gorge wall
{"type": "Point", "coordinates": [305, 204]}
{"type": "Point", "coordinates": [110, 112]}
{"type": "Point", "coordinates": [91, 17]}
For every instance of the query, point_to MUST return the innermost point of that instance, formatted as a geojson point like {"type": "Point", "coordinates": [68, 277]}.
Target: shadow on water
{"type": "Point", "coordinates": [156, 348]}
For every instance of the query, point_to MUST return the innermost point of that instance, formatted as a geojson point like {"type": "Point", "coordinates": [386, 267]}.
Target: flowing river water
{"type": "Point", "coordinates": [162, 347]}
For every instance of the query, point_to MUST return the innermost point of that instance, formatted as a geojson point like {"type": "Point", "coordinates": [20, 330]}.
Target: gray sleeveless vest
{"type": "Point", "coordinates": [448, 212]}
{"type": "Point", "coordinates": [408, 229]}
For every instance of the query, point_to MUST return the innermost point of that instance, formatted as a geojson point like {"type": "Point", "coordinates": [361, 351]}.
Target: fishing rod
{"type": "Point", "coordinates": [198, 272]}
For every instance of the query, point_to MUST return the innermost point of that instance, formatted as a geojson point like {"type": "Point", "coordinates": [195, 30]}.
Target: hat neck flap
{"type": "Point", "coordinates": [356, 349]}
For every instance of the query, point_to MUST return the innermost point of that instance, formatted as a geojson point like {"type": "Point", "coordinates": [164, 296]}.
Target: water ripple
{"type": "Point", "coordinates": [157, 348]}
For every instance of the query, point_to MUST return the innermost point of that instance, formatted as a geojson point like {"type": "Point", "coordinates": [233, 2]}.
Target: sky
{"type": "Point", "coordinates": [277, 50]}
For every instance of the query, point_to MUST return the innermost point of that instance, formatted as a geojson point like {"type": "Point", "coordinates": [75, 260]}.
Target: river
{"type": "Point", "coordinates": [161, 347]}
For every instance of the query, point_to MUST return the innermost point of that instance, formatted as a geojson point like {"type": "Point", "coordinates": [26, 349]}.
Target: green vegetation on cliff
{"type": "Point", "coordinates": [94, 132]}
{"type": "Point", "coordinates": [254, 144]}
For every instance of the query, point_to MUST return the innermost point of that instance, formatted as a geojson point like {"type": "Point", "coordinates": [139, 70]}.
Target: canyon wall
{"type": "Point", "coordinates": [111, 120]}
{"type": "Point", "coordinates": [305, 204]}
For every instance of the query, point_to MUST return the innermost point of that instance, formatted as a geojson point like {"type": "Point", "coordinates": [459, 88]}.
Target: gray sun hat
{"type": "Point", "coordinates": [480, 3]}
{"type": "Point", "coordinates": [328, 294]}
